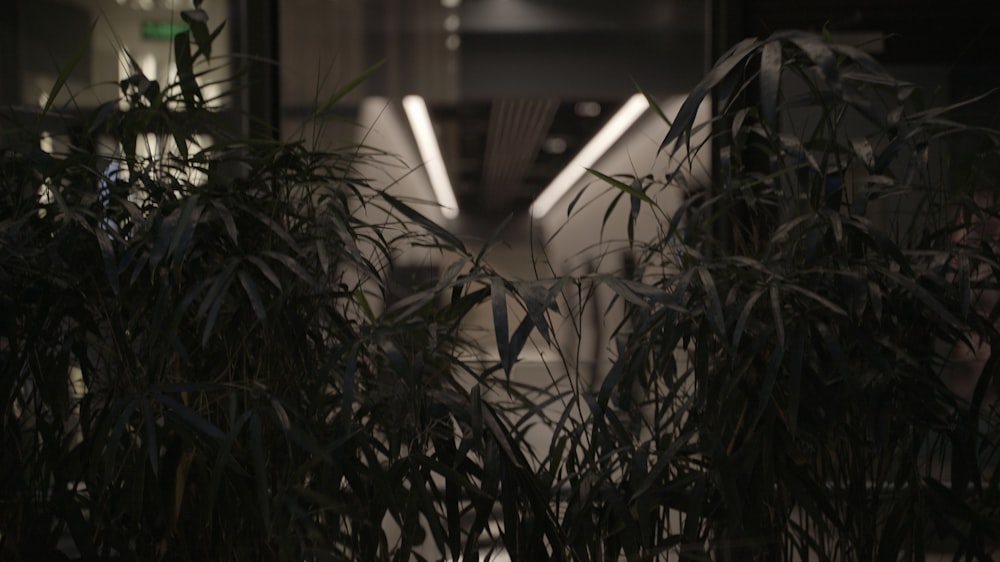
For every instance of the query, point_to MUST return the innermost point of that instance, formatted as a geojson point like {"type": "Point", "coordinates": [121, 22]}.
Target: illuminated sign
{"type": "Point", "coordinates": [163, 29]}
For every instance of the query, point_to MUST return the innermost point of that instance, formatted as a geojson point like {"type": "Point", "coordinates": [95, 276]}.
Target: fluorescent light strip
{"type": "Point", "coordinates": [423, 132]}
{"type": "Point", "coordinates": [597, 147]}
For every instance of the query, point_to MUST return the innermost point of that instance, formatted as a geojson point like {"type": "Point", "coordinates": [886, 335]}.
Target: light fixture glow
{"type": "Point", "coordinates": [602, 141]}
{"type": "Point", "coordinates": [423, 132]}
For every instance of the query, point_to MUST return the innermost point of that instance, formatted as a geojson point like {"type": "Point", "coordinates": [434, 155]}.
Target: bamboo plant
{"type": "Point", "coordinates": [201, 360]}
{"type": "Point", "coordinates": [803, 321]}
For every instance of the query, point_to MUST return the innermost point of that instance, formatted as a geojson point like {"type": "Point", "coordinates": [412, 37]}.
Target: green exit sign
{"type": "Point", "coordinates": [163, 29]}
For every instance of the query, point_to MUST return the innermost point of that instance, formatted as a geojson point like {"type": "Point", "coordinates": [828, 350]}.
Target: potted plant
{"type": "Point", "coordinates": [198, 355]}
{"type": "Point", "coordinates": [794, 326]}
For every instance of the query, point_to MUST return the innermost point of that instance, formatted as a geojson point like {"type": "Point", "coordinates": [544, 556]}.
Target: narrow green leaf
{"type": "Point", "coordinates": [220, 285]}
{"type": "Point", "coordinates": [227, 220]}
{"type": "Point", "coordinates": [664, 462]}
{"type": "Point", "coordinates": [224, 458]}
{"type": "Point", "coordinates": [744, 316]}
{"type": "Point", "coordinates": [189, 416]}
{"type": "Point", "coordinates": [281, 414]}
{"type": "Point", "coordinates": [500, 325]}
{"type": "Point", "coordinates": [653, 104]}
{"type": "Point", "coordinates": [346, 88]}
{"type": "Point", "coordinates": [74, 59]}
{"type": "Point", "coordinates": [764, 397]}
{"type": "Point", "coordinates": [323, 255]}
{"type": "Point", "coordinates": [266, 271]}
{"type": "Point", "coordinates": [115, 438]}
{"type": "Point", "coordinates": [190, 90]}
{"type": "Point", "coordinates": [108, 255]}
{"type": "Point", "coordinates": [537, 300]}
{"type": "Point", "coordinates": [795, 360]}
{"type": "Point", "coordinates": [827, 303]}
{"type": "Point", "coordinates": [422, 221]}
{"type": "Point", "coordinates": [180, 138]}
{"type": "Point", "coordinates": [684, 121]}
{"type": "Point", "coordinates": [611, 379]}
{"type": "Point", "coordinates": [151, 444]}
{"type": "Point", "coordinates": [819, 52]}
{"type": "Point", "coordinates": [292, 264]}
{"type": "Point", "coordinates": [714, 309]}
{"type": "Point", "coordinates": [738, 119]}
{"type": "Point", "coordinates": [863, 149]}
{"type": "Point", "coordinates": [634, 190]}
{"type": "Point", "coordinates": [964, 285]}
{"type": "Point", "coordinates": [770, 78]}
{"type": "Point", "coordinates": [875, 298]}
{"type": "Point", "coordinates": [350, 376]}
{"type": "Point", "coordinates": [185, 227]}
{"type": "Point", "coordinates": [250, 286]}
{"type": "Point", "coordinates": [779, 321]}
{"type": "Point", "coordinates": [923, 295]}
{"type": "Point", "coordinates": [164, 236]}
{"type": "Point", "coordinates": [260, 472]}
{"type": "Point", "coordinates": [197, 19]}
{"type": "Point", "coordinates": [576, 199]}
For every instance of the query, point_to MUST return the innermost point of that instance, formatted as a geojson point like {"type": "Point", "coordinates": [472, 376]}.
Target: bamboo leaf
{"type": "Point", "coordinates": [348, 87]}
{"type": "Point", "coordinates": [425, 223]}
{"type": "Point", "coordinates": [611, 380]}
{"type": "Point", "coordinates": [875, 298]}
{"type": "Point", "coordinates": [227, 219]}
{"type": "Point", "coordinates": [350, 377]}
{"type": "Point", "coordinates": [250, 286]}
{"type": "Point", "coordinates": [744, 316]}
{"type": "Point", "coordinates": [653, 104]}
{"type": "Point", "coordinates": [110, 261]}
{"type": "Point", "coordinates": [260, 472]}
{"type": "Point", "coordinates": [323, 255]}
{"type": "Point", "coordinates": [827, 303]}
{"type": "Point", "coordinates": [684, 121]}
{"type": "Point", "coordinates": [81, 48]}
{"type": "Point", "coordinates": [281, 414]}
{"type": "Point", "coordinates": [576, 199]}
{"type": "Point", "coordinates": [738, 119]}
{"type": "Point", "coordinates": [770, 78]}
{"type": "Point", "coordinates": [964, 285]}
{"type": "Point", "coordinates": [863, 149]}
{"type": "Point", "coordinates": [819, 52]}
{"type": "Point", "coordinates": [291, 263]}
{"type": "Point", "coordinates": [185, 227]}
{"type": "Point", "coordinates": [663, 463]}
{"type": "Point", "coordinates": [537, 300]}
{"type": "Point", "coordinates": [923, 296]}
{"type": "Point", "coordinates": [224, 458]}
{"type": "Point", "coordinates": [184, 61]}
{"type": "Point", "coordinates": [151, 444]}
{"type": "Point", "coordinates": [189, 416]}
{"type": "Point", "coordinates": [714, 305]}
{"type": "Point", "coordinates": [216, 296]}
{"type": "Point", "coordinates": [500, 324]}
{"type": "Point", "coordinates": [266, 271]}
{"type": "Point", "coordinates": [779, 322]}
{"type": "Point", "coordinates": [115, 438]}
{"type": "Point", "coordinates": [197, 19]}
{"type": "Point", "coordinates": [634, 190]}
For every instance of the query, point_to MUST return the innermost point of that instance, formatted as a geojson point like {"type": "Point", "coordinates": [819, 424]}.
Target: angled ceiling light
{"type": "Point", "coordinates": [423, 132]}
{"type": "Point", "coordinates": [602, 141]}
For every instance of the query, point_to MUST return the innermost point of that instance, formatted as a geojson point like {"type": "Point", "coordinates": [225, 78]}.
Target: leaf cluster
{"type": "Point", "coordinates": [816, 299]}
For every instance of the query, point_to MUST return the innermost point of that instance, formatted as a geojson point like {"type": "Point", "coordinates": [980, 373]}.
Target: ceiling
{"type": "Point", "coordinates": [516, 87]}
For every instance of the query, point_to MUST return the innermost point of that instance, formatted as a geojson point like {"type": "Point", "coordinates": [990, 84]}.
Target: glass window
{"type": "Point", "coordinates": [126, 34]}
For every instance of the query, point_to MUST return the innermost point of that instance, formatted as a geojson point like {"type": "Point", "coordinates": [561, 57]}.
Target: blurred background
{"type": "Point", "coordinates": [512, 92]}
